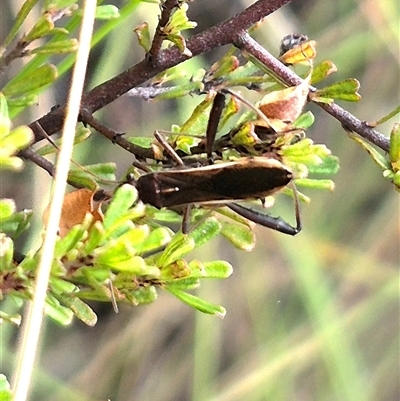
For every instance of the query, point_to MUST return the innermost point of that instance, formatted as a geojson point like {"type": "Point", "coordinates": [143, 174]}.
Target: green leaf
{"type": "Point", "coordinates": [91, 174]}
{"type": "Point", "coordinates": [157, 239]}
{"type": "Point", "coordinates": [43, 75]}
{"type": "Point", "coordinates": [224, 66]}
{"type": "Point", "coordinates": [142, 295]}
{"type": "Point", "coordinates": [7, 208]}
{"type": "Point", "coordinates": [343, 90]}
{"type": "Point", "coordinates": [394, 147]}
{"type": "Point", "coordinates": [196, 124]}
{"type": "Point", "coordinates": [59, 47]}
{"type": "Point", "coordinates": [15, 224]}
{"type": "Point", "coordinates": [143, 35]}
{"type": "Point", "coordinates": [19, 138]}
{"type": "Point", "coordinates": [143, 142]}
{"type": "Point", "coordinates": [304, 121]}
{"type": "Point", "coordinates": [329, 165]}
{"type": "Point", "coordinates": [6, 252]}
{"type": "Point", "coordinates": [5, 122]}
{"type": "Point", "coordinates": [179, 246]}
{"type": "Point", "coordinates": [205, 231]}
{"type": "Point", "coordinates": [179, 21]}
{"type": "Point", "coordinates": [5, 391]}
{"type": "Point", "coordinates": [42, 27]}
{"type": "Point", "coordinates": [96, 235]}
{"type": "Point", "coordinates": [322, 70]}
{"type": "Point", "coordinates": [81, 310]}
{"type": "Point", "coordinates": [123, 199]}
{"type": "Point", "coordinates": [315, 184]}
{"type": "Point", "coordinates": [23, 101]}
{"type": "Point", "coordinates": [240, 236]}
{"type": "Point", "coordinates": [60, 286]}
{"type": "Point", "coordinates": [107, 12]}
{"type": "Point", "coordinates": [57, 312]}
{"type": "Point", "coordinates": [217, 269]}
{"type": "Point", "coordinates": [197, 303]}
{"type": "Point", "coordinates": [76, 234]}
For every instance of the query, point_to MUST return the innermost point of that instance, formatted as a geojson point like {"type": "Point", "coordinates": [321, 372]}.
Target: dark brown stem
{"type": "Point", "coordinates": [42, 162]}
{"type": "Point", "coordinates": [245, 42]}
{"type": "Point", "coordinates": [167, 8]}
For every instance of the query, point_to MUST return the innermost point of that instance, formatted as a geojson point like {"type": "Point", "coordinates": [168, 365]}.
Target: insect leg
{"type": "Point", "coordinates": [275, 223]}
{"type": "Point", "coordinates": [213, 121]}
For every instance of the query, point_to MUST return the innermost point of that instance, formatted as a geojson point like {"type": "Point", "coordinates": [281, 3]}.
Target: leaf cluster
{"type": "Point", "coordinates": [130, 252]}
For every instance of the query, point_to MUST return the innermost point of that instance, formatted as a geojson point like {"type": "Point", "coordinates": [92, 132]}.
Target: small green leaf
{"type": "Point", "coordinates": [179, 21]}
{"type": "Point", "coordinates": [42, 27]}
{"type": "Point", "coordinates": [205, 231]}
{"type": "Point", "coordinates": [7, 208]}
{"type": "Point", "coordinates": [329, 165]}
{"type": "Point", "coordinates": [6, 252]}
{"type": "Point", "coordinates": [123, 199]}
{"type": "Point", "coordinates": [57, 312]}
{"type": "Point", "coordinates": [60, 286]}
{"type": "Point", "coordinates": [41, 76]}
{"type": "Point", "coordinates": [315, 184]}
{"type": "Point", "coordinates": [81, 310]}
{"type": "Point", "coordinates": [224, 66]}
{"type": "Point", "coordinates": [142, 295]}
{"type": "Point", "coordinates": [240, 236]}
{"type": "Point", "coordinates": [343, 90]}
{"type": "Point", "coordinates": [89, 175]}
{"type": "Point", "coordinates": [19, 138]}
{"type": "Point", "coordinates": [143, 142]}
{"type": "Point", "coordinates": [197, 303]}
{"type": "Point", "coordinates": [59, 47]}
{"type": "Point", "coordinates": [5, 391]}
{"type": "Point", "coordinates": [218, 269]}
{"type": "Point", "coordinates": [394, 147]}
{"type": "Point", "coordinates": [304, 121]}
{"type": "Point", "coordinates": [157, 239]}
{"type": "Point", "coordinates": [23, 101]}
{"type": "Point", "coordinates": [196, 124]}
{"type": "Point", "coordinates": [143, 35]}
{"type": "Point", "coordinates": [322, 70]}
{"type": "Point", "coordinates": [15, 224]}
{"type": "Point", "coordinates": [76, 234]}
{"type": "Point", "coordinates": [5, 122]}
{"type": "Point", "coordinates": [96, 235]}
{"type": "Point", "coordinates": [179, 246]}
{"type": "Point", "coordinates": [107, 12]}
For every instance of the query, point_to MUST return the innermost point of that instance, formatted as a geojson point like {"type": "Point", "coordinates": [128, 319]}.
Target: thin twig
{"type": "Point", "coordinates": [245, 42]}
{"type": "Point", "coordinates": [40, 161]}
{"type": "Point", "coordinates": [138, 151]}
{"type": "Point", "coordinates": [167, 8]}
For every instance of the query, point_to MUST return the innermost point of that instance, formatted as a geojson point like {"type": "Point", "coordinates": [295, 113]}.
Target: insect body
{"type": "Point", "coordinates": [224, 183]}
{"type": "Point", "coordinates": [248, 178]}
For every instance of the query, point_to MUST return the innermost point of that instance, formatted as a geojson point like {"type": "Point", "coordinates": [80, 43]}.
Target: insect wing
{"type": "Point", "coordinates": [249, 178]}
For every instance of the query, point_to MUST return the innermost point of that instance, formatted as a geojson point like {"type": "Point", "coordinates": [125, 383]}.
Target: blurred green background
{"type": "Point", "coordinates": [314, 317]}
